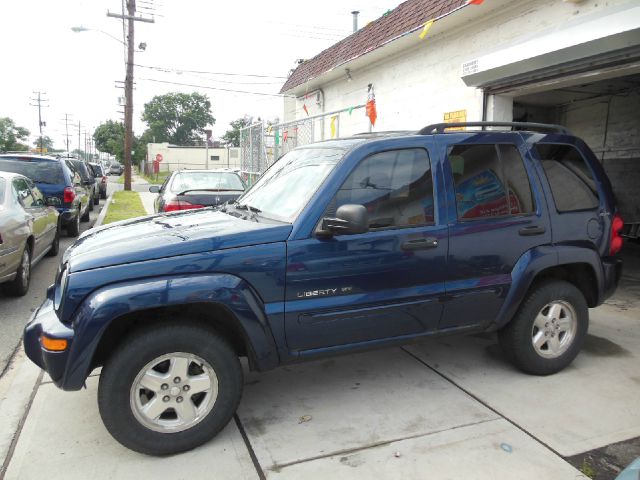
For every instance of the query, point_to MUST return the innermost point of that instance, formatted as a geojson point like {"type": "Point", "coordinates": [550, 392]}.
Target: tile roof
{"type": "Point", "coordinates": [402, 19]}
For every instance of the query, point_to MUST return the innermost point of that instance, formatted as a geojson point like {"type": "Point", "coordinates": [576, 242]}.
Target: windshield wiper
{"type": "Point", "coordinates": [252, 210]}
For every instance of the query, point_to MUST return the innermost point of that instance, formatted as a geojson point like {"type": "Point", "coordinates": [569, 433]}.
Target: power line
{"type": "Point", "coordinates": [216, 88]}
{"type": "Point", "coordinates": [178, 70]}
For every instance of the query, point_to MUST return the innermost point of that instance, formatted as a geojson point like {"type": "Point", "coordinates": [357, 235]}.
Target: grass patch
{"type": "Point", "coordinates": [152, 178]}
{"type": "Point", "coordinates": [121, 179]}
{"type": "Point", "coordinates": [124, 205]}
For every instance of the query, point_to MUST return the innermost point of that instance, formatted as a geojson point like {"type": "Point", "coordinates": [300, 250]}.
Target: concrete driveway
{"type": "Point", "coordinates": [448, 408]}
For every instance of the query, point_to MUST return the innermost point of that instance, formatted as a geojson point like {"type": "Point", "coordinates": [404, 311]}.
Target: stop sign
{"type": "Point", "coordinates": [158, 157]}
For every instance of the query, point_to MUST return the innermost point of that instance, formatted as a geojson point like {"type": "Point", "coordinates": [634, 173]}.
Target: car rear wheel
{"type": "Point", "coordinates": [86, 216]}
{"type": "Point", "coordinates": [90, 209]}
{"type": "Point", "coordinates": [73, 229]}
{"type": "Point", "coordinates": [55, 245]}
{"type": "Point", "coordinates": [20, 284]}
{"type": "Point", "coordinates": [549, 329]}
{"type": "Point", "coordinates": [170, 388]}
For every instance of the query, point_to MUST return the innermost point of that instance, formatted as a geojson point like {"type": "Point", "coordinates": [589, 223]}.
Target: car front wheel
{"type": "Point", "coordinates": [549, 329]}
{"type": "Point", "coordinates": [169, 388]}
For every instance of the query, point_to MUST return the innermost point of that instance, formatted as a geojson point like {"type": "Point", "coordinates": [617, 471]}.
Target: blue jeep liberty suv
{"type": "Point", "coordinates": [343, 245]}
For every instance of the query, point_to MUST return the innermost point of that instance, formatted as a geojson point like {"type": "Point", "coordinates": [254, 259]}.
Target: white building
{"type": "Point", "coordinates": [178, 158]}
{"type": "Point", "coordinates": [574, 62]}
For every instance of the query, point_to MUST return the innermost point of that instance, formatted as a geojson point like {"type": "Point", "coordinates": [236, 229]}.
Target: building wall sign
{"type": "Point", "coordinates": [455, 117]}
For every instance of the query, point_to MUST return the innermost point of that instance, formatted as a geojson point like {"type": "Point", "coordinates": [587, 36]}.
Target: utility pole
{"type": "Point", "coordinates": [39, 103]}
{"type": "Point", "coordinates": [79, 130]}
{"type": "Point", "coordinates": [128, 87]}
{"type": "Point", "coordinates": [66, 128]}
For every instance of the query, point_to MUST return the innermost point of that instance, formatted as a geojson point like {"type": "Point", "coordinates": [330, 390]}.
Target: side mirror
{"type": "Point", "coordinates": [53, 202]}
{"type": "Point", "coordinates": [350, 219]}
{"type": "Point", "coordinates": [154, 189]}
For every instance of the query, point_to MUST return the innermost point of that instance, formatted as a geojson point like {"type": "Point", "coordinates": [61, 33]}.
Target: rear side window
{"type": "Point", "coordinates": [395, 187]}
{"type": "Point", "coordinates": [570, 179]}
{"type": "Point", "coordinates": [40, 171]}
{"type": "Point", "coordinates": [490, 181]}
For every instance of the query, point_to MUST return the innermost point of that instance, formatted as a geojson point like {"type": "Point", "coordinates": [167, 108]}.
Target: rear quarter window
{"type": "Point", "coordinates": [40, 171]}
{"type": "Point", "coordinates": [572, 185]}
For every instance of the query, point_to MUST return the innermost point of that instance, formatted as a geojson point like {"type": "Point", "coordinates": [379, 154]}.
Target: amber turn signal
{"type": "Point", "coordinates": [53, 344]}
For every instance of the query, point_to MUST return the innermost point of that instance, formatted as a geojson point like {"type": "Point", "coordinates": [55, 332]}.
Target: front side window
{"type": "Point", "coordinates": [570, 179]}
{"type": "Point", "coordinates": [490, 181]}
{"type": "Point", "coordinates": [284, 189]}
{"type": "Point", "coordinates": [395, 187]}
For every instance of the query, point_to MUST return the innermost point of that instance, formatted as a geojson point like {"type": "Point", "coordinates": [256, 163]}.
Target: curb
{"type": "Point", "coordinates": [103, 212]}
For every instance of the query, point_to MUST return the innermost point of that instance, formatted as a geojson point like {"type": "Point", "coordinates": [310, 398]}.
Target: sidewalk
{"type": "Point", "coordinates": [448, 408]}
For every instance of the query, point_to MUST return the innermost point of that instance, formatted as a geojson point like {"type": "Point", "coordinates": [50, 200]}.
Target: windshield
{"type": "Point", "coordinates": [184, 181]}
{"type": "Point", "coordinates": [40, 171]}
{"type": "Point", "coordinates": [287, 186]}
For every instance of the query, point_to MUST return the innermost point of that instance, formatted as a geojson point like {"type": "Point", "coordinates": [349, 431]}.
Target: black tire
{"type": "Point", "coordinates": [86, 216]}
{"type": "Point", "coordinates": [90, 208]}
{"type": "Point", "coordinates": [55, 245]}
{"type": "Point", "coordinates": [134, 355]}
{"type": "Point", "coordinates": [103, 194]}
{"type": "Point", "coordinates": [517, 337]}
{"type": "Point", "coordinates": [73, 228]}
{"type": "Point", "coordinates": [19, 286]}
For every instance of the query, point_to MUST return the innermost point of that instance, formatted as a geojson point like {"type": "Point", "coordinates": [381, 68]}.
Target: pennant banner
{"type": "Point", "coordinates": [425, 29]}
{"type": "Point", "coordinates": [277, 137]}
{"type": "Point", "coordinates": [306, 110]}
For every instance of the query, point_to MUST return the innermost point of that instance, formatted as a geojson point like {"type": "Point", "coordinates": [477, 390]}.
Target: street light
{"type": "Point", "coordinates": [85, 29]}
{"type": "Point", "coordinates": [128, 91]}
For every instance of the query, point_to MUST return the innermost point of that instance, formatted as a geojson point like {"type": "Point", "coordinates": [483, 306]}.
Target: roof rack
{"type": "Point", "coordinates": [384, 133]}
{"type": "Point", "coordinates": [535, 127]}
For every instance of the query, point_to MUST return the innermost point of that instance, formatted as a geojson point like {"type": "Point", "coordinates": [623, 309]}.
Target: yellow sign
{"type": "Point", "coordinates": [455, 117]}
{"type": "Point", "coordinates": [39, 150]}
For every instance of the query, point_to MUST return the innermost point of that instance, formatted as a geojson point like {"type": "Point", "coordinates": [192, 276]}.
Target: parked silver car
{"type": "Point", "coordinates": [29, 230]}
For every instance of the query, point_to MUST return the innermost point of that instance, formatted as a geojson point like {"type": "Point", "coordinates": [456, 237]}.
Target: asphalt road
{"type": "Point", "coordinates": [15, 312]}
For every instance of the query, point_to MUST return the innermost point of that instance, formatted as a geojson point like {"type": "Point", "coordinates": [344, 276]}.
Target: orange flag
{"type": "Point", "coordinates": [370, 108]}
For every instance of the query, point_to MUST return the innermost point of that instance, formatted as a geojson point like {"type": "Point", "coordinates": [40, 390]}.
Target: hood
{"type": "Point", "coordinates": [167, 235]}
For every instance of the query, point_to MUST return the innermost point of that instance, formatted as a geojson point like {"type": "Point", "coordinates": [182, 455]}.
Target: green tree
{"type": "Point", "coordinates": [140, 146]}
{"type": "Point", "coordinates": [109, 137]}
{"type": "Point", "coordinates": [47, 143]}
{"type": "Point", "coordinates": [11, 136]}
{"type": "Point", "coordinates": [178, 118]}
{"type": "Point", "coordinates": [232, 136]}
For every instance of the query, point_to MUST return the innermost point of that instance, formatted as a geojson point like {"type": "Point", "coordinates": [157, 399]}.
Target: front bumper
{"type": "Point", "coordinates": [44, 320]}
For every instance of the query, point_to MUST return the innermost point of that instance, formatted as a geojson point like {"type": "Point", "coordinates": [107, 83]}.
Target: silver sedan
{"type": "Point", "coordinates": [29, 230]}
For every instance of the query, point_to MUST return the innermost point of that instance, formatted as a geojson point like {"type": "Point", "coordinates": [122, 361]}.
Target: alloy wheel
{"type": "Point", "coordinates": [173, 392]}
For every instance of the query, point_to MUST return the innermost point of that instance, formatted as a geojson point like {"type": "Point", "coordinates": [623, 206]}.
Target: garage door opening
{"type": "Point", "coordinates": [606, 115]}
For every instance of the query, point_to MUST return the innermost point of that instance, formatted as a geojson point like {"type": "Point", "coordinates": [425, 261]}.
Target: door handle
{"type": "Point", "coordinates": [531, 230]}
{"type": "Point", "coordinates": [420, 244]}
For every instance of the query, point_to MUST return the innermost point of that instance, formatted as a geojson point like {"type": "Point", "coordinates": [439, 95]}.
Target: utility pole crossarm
{"type": "Point", "coordinates": [130, 17]}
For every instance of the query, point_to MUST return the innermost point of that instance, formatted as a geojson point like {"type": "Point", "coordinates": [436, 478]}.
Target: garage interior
{"type": "Point", "coordinates": [605, 113]}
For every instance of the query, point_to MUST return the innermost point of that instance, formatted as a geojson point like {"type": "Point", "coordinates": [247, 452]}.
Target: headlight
{"type": "Point", "coordinates": [57, 297]}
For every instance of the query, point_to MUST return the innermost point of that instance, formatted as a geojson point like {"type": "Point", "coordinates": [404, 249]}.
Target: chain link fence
{"type": "Point", "coordinates": [261, 145]}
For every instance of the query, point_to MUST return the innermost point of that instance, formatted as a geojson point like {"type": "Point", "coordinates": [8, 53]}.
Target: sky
{"type": "Point", "coordinates": [79, 72]}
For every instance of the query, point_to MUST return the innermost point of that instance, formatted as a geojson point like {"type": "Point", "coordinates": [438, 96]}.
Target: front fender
{"type": "Point", "coordinates": [105, 305]}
